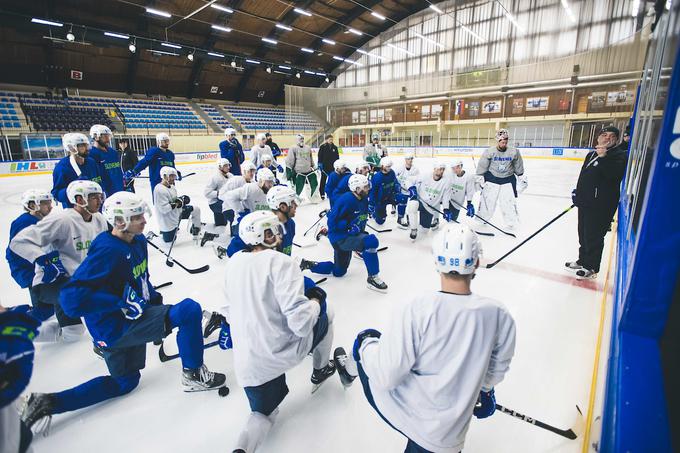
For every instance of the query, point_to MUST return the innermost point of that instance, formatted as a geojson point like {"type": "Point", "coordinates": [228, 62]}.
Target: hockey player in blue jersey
{"type": "Point", "coordinates": [37, 203]}
{"type": "Point", "coordinates": [340, 171]}
{"type": "Point", "coordinates": [107, 159]}
{"type": "Point", "coordinates": [155, 158]}
{"type": "Point", "coordinates": [232, 150]}
{"type": "Point", "coordinates": [77, 165]}
{"type": "Point", "coordinates": [385, 190]}
{"type": "Point", "coordinates": [346, 225]}
{"type": "Point", "coordinates": [123, 312]}
{"type": "Point", "coordinates": [362, 168]}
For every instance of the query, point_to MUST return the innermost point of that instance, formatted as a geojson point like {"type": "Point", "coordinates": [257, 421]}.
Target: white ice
{"type": "Point", "coordinates": [557, 321]}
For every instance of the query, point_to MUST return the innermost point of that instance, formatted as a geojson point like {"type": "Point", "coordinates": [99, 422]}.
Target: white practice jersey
{"type": "Point", "coordinates": [64, 231]}
{"type": "Point", "coordinates": [168, 217]}
{"type": "Point", "coordinates": [407, 177]}
{"type": "Point", "coordinates": [215, 183]}
{"type": "Point", "coordinates": [432, 192]}
{"type": "Point", "coordinates": [233, 183]}
{"type": "Point", "coordinates": [248, 196]}
{"type": "Point", "coordinates": [501, 164]}
{"type": "Point", "coordinates": [436, 354]}
{"type": "Point", "coordinates": [256, 153]}
{"type": "Point", "coordinates": [374, 151]}
{"type": "Point", "coordinates": [271, 320]}
{"type": "Point", "coordinates": [462, 188]}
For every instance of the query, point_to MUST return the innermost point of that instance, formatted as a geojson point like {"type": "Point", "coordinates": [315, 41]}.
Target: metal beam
{"type": "Point", "coordinates": [288, 19]}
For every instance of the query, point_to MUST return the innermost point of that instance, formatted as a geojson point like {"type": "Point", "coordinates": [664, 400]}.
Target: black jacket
{"type": "Point", "coordinates": [276, 151]}
{"type": "Point", "coordinates": [129, 159]}
{"type": "Point", "coordinates": [328, 154]}
{"type": "Point", "coordinates": [599, 182]}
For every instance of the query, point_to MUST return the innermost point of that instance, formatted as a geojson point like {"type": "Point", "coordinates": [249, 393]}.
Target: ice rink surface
{"type": "Point", "coordinates": [556, 316]}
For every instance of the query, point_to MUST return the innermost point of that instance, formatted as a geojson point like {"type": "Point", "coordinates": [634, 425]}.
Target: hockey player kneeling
{"type": "Point", "coordinates": [274, 323]}
{"type": "Point", "coordinates": [438, 360]}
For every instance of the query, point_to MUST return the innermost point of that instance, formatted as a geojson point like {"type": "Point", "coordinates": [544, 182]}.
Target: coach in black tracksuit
{"type": "Point", "coordinates": [596, 196]}
{"type": "Point", "coordinates": [328, 154]}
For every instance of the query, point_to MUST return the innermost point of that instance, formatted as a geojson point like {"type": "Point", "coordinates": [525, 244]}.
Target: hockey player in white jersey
{"type": "Point", "coordinates": [172, 209]}
{"type": "Point", "coordinates": [374, 151]}
{"type": "Point", "coordinates": [460, 194]}
{"type": "Point", "coordinates": [441, 355]}
{"type": "Point", "coordinates": [229, 206]}
{"type": "Point", "coordinates": [425, 198]}
{"type": "Point", "coordinates": [259, 149]}
{"type": "Point", "coordinates": [406, 175]}
{"type": "Point", "coordinates": [212, 189]}
{"type": "Point", "coordinates": [500, 171]}
{"type": "Point", "coordinates": [252, 196]}
{"type": "Point", "coordinates": [58, 244]}
{"type": "Point", "coordinates": [273, 322]}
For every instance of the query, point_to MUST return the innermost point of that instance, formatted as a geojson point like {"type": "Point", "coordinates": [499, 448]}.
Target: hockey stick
{"type": "Point", "coordinates": [484, 220]}
{"type": "Point", "coordinates": [162, 285]}
{"type": "Point", "coordinates": [481, 233]}
{"type": "Point", "coordinates": [322, 214]}
{"type": "Point", "coordinates": [166, 357]}
{"type": "Point", "coordinates": [191, 271]}
{"type": "Point", "coordinates": [168, 261]}
{"type": "Point", "coordinates": [320, 281]}
{"type": "Point", "coordinates": [489, 266]}
{"type": "Point", "coordinates": [568, 433]}
{"type": "Point", "coordinates": [386, 230]}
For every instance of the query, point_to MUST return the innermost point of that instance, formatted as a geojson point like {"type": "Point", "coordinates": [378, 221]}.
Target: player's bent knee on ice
{"type": "Point", "coordinates": [371, 242]}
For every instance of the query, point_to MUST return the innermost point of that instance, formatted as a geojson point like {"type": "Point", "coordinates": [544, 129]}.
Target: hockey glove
{"type": "Point", "coordinates": [401, 198]}
{"type": "Point", "coordinates": [128, 177]}
{"type": "Point", "coordinates": [17, 331]}
{"type": "Point", "coordinates": [51, 266]}
{"type": "Point", "coordinates": [486, 404]}
{"type": "Point", "coordinates": [522, 184]}
{"type": "Point", "coordinates": [354, 229]}
{"type": "Point", "coordinates": [413, 193]}
{"type": "Point", "coordinates": [573, 197]}
{"type": "Point", "coordinates": [319, 294]}
{"type": "Point", "coordinates": [185, 199]}
{"type": "Point", "coordinates": [371, 210]}
{"type": "Point", "coordinates": [368, 333]}
{"type": "Point", "coordinates": [470, 209]}
{"type": "Point", "coordinates": [279, 168]}
{"type": "Point", "coordinates": [177, 204]}
{"type": "Point", "coordinates": [448, 215]}
{"type": "Point", "coordinates": [133, 305]}
{"type": "Point", "coordinates": [225, 336]}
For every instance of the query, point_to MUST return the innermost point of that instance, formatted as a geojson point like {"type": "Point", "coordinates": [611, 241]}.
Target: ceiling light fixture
{"type": "Point", "coordinates": [269, 69]}
{"type": "Point", "coordinates": [304, 49]}
{"type": "Point", "coordinates": [162, 52]}
{"type": "Point", "coordinates": [327, 80]}
{"type": "Point", "coordinates": [355, 31]}
{"type": "Point", "coordinates": [158, 12]}
{"type": "Point", "coordinates": [270, 41]}
{"type": "Point", "coordinates": [328, 41]}
{"type": "Point", "coordinates": [252, 61]}
{"type": "Point", "coordinates": [284, 67]}
{"type": "Point", "coordinates": [116, 35]}
{"type": "Point", "coordinates": [233, 63]}
{"type": "Point", "coordinates": [70, 36]}
{"type": "Point", "coordinates": [335, 57]}
{"type": "Point", "coordinates": [401, 49]}
{"type": "Point", "coordinates": [309, 72]}
{"type": "Point", "coordinates": [215, 54]}
{"type": "Point", "coordinates": [174, 46]}
{"type": "Point", "coordinates": [377, 16]}
{"type": "Point", "coordinates": [224, 29]}
{"type": "Point", "coordinates": [298, 75]}
{"type": "Point", "coordinates": [284, 27]}
{"type": "Point", "coordinates": [222, 8]}
{"type": "Point", "coordinates": [133, 47]}
{"type": "Point", "coordinates": [35, 20]}
{"type": "Point", "coordinates": [431, 41]}
{"type": "Point", "coordinates": [190, 57]}
{"type": "Point", "coordinates": [303, 12]}
{"type": "Point", "coordinates": [436, 9]}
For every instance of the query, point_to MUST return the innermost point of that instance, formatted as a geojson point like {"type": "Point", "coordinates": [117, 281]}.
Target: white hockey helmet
{"type": "Point", "coordinates": [36, 196]}
{"type": "Point", "coordinates": [122, 206]}
{"type": "Point", "coordinates": [161, 137]}
{"type": "Point", "coordinates": [362, 164]}
{"type": "Point", "coordinates": [281, 194]}
{"type": "Point", "coordinates": [247, 166]}
{"type": "Point", "coordinates": [300, 139]}
{"type": "Point", "coordinates": [228, 132]}
{"type": "Point", "coordinates": [456, 249]}
{"type": "Point", "coordinates": [98, 130]}
{"type": "Point", "coordinates": [264, 175]}
{"type": "Point", "coordinates": [221, 162]}
{"type": "Point", "coordinates": [438, 164]}
{"type": "Point", "coordinates": [252, 227]}
{"type": "Point", "coordinates": [408, 155]}
{"type": "Point", "coordinates": [375, 136]}
{"type": "Point", "coordinates": [457, 163]}
{"type": "Point", "coordinates": [267, 158]}
{"type": "Point", "coordinates": [71, 141]}
{"type": "Point", "coordinates": [357, 181]}
{"type": "Point", "coordinates": [166, 171]}
{"type": "Point", "coordinates": [386, 162]}
{"type": "Point", "coordinates": [502, 134]}
{"type": "Point", "coordinates": [339, 164]}
{"type": "Point", "coordinates": [259, 137]}
{"type": "Point", "coordinates": [84, 188]}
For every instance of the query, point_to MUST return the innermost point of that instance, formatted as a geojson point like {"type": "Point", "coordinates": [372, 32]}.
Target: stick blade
{"type": "Point", "coordinates": [578, 427]}
{"type": "Point", "coordinates": [199, 270]}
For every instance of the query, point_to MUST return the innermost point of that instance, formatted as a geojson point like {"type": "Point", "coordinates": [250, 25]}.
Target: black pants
{"type": "Point", "coordinates": [593, 224]}
{"type": "Point", "coordinates": [322, 186]}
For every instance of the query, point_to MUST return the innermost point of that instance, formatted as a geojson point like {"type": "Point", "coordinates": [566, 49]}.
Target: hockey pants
{"type": "Point", "coordinates": [504, 195]}
{"type": "Point", "coordinates": [415, 209]}
{"type": "Point", "coordinates": [188, 212]}
{"type": "Point", "coordinates": [365, 243]}
{"type": "Point", "coordinates": [310, 178]}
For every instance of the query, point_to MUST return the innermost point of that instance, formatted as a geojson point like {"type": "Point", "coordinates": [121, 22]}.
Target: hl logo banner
{"type": "Point", "coordinates": [21, 167]}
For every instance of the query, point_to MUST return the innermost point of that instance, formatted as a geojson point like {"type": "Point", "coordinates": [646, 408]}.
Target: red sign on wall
{"type": "Point", "coordinates": [76, 75]}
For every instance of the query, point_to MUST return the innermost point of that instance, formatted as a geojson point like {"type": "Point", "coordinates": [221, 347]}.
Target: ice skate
{"type": "Point", "coordinates": [220, 251]}
{"type": "Point", "coordinates": [320, 376]}
{"type": "Point", "coordinates": [414, 234]}
{"type": "Point", "coordinates": [376, 284]}
{"type": "Point", "coordinates": [306, 265]}
{"type": "Point", "coordinates": [573, 265]}
{"type": "Point", "coordinates": [37, 409]}
{"type": "Point", "coordinates": [402, 222]}
{"type": "Point", "coordinates": [586, 274]}
{"type": "Point", "coordinates": [201, 379]}
{"type": "Point", "coordinates": [208, 237]}
{"type": "Point", "coordinates": [435, 224]}
{"type": "Point", "coordinates": [340, 358]}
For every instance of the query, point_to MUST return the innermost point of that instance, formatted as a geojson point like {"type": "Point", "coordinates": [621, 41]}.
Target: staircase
{"type": "Point", "coordinates": [233, 121]}
{"type": "Point", "coordinates": [205, 117]}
